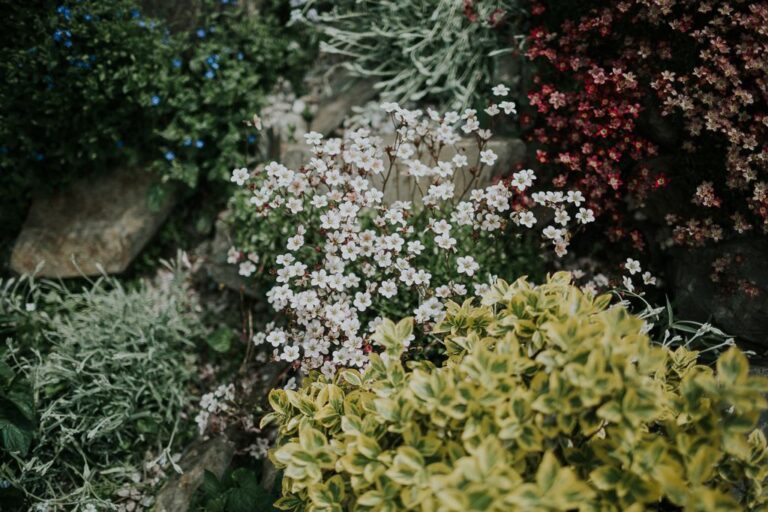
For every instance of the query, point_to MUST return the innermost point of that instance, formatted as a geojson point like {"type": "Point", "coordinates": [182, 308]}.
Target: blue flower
{"type": "Point", "coordinates": [135, 13]}
{"type": "Point", "coordinates": [187, 142]}
{"type": "Point", "coordinates": [199, 144]}
{"type": "Point", "coordinates": [177, 62]}
{"type": "Point", "coordinates": [200, 33]}
{"type": "Point", "coordinates": [87, 17]}
{"type": "Point", "coordinates": [142, 24]}
{"type": "Point", "coordinates": [155, 100]}
{"type": "Point", "coordinates": [170, 156]}
{"type": "Point", "coordinates": [209, 74]}
{"type": "Point", "coordinates": [68, 43]}
{"type": "Point", "coordinates": [251, 139]}
{"type": "Point", "coordinates": [240, 56]}
{"type": "Point", "coordinates": [62, 35]}
{"type": "Point", "coordinates": [64, 11]}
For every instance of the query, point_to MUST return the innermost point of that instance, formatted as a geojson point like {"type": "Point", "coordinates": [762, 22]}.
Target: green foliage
{"type": "Point", "coordinates": [237, 491]}
{"type": "Point", "coordinates": [548, 400]}
{"type": "Point", "coordinates": [438, 49]}
{"type": "Point", "coordinates": [111, 370]}
{"type": "Point", "coordinates": [17, 411]}
{"type": "Point", "coordinates": [88, 85]}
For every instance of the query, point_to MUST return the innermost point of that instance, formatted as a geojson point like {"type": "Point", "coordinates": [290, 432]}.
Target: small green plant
{"type": "Point", "coordinates": [441, 50]}
{"type": "Point", "coordinates": [111, 370]}
{"type": "Point", "coordinates": [17, 411]}
{"type": "Point", "coordinates": [237, 491]}
{"type": "Point", "coordinates": [548, 399]}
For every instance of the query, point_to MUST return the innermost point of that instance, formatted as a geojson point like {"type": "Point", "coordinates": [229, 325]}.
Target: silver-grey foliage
{"type": "Point", "coordinates": [418, 48]}
{"type": "Point", "coordinates": [111, 372]}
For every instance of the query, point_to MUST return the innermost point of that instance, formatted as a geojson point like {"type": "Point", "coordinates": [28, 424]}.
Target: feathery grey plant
{"type": "Point", "coordinates": [441, 49]}
{"type": "Point", "coordinates": [110, 382]}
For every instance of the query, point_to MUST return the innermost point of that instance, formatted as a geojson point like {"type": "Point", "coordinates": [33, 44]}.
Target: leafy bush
{"type": "Point", "coordinates": [110, 379]}
{"type": "Point", "coordinates": [548, 400]}
{"type": "Point", "coordinates": [89, 85]}
{"type": "Point", "coordinates": [440, 49]}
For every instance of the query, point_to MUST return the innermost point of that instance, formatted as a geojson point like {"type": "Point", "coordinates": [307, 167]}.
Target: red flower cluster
{"type": "Point", "coordinates": [588, 113]}
{"type": "Point", "coordinates": [704, 62]}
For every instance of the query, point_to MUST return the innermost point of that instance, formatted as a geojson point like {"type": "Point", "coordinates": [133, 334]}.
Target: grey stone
{"type": "Point", "coordinates": [219, 270]}
{"type": "Point", "coordinates": [509, 151]}
{"type": "Point", "coordinates": [98, 222]}
{"type": "Point", "coordinates": [342, 93]}
{"type": "Point", "coordinates": [697, 297]}
{"type": "Point", "coordinates": [214, 455]}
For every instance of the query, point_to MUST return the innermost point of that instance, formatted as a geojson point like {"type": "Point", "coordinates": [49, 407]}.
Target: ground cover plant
{"type": "Point", "coordinates": [548, 399]}
{"type": "Point", "coordinates": [355, 252]}
{"type": "Point", "coordinates": [110, 371]}
{"type": "Point", "coordinates": [699, 68]}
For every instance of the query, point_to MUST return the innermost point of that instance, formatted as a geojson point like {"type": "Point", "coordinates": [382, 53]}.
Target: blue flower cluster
{"type": "Point", "coordinates": [213, 65]}
{"type": "Point", "coordinates": [64, 11]}
{"type": "Point", "coordinates": [63, 36]}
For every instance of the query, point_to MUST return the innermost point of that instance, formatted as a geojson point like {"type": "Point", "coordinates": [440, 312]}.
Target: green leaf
{"type": "Point", "coordinates": [16, 440]}
{"type": "Point", "coordinates": [221, 340]}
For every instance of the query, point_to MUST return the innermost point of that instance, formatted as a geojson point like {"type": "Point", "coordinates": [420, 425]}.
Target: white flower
{"type": "Point", "coordinates": [632, 266]}
{"type": "Point", "coordinates": [240, 176]}
{"type": "Point", "coordinates": [30, 307]}
{"type": "Point", "coordinates": [276, 338]}
{"type": "Point", "coordinates": [467, 265]}
{"type": "Point", "coordinates": [233, 255]}
{"type": "Point", "coordinates": [575, 197]}
{"type": "Point", "coordinates": [388, 289]}
{"type": "Point", "coordinates": [585, 215]}
{"type": "Point", "coordinates": [247, 268]}
{"type": "Point", "coordinates": [290, 354]}
{"type": "Point", "coordinates": [362, 301]}
{"type": "Point", "coordinates": [561, 217]}
{"type": "Point", "coordinates": [523, 179]}
{"type": "Point", "coordinates": [500, 90]}
{"type": "Point", "coordinates": [415, 247]}
{"type": "Point", "coordinates": [313, 138]}
{"type": "Point", "coordinates": [553, 233]}
{"type": "Point", "coordinates": [295, 243]}
{"type": "Point", "coordinates": [628, 284]}
{"type": "Point", "coordinates": [492, 110]}
{"type": "Point", "coordinates": [508, 107]}
{"type": "Point", "coordinates": [488, 157]}
{"type": "Point", "coordinates": [649, 279]}
{"type": "Point", "coordinates": [527, 219]}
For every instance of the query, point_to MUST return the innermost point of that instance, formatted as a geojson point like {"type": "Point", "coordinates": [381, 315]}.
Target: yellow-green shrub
{"type": "Point", "coordinates": [549, 400]}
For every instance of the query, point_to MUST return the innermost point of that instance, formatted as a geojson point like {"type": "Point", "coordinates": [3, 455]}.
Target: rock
{"type": "Point", "coordinates": [214, 455]}
{"type": "Point", "coordinates": [509, 151]}
{"type": "Point", "coordinates": [342, 93]}
{"type": "Point", "coordinates": [99, 222]}
{"type": "Point", "coordinates": [697, 297]}
{"type": "Point", "coordinates": [217, 268]}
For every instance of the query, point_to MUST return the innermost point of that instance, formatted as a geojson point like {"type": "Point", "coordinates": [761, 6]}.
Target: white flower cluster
{"type": "Point", "coordinates": [214, 403]}
{"type": "Point", "coordinates": [372, 257]}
